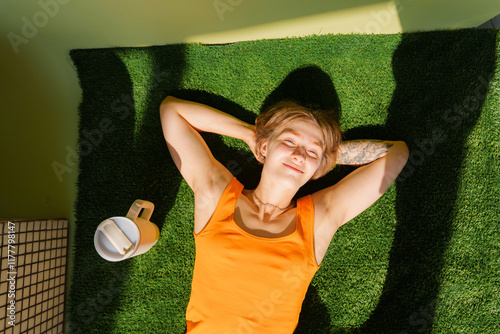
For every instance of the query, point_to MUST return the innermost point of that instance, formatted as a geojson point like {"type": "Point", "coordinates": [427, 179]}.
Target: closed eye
{"type": "Point", "coordinates": [313, 153]}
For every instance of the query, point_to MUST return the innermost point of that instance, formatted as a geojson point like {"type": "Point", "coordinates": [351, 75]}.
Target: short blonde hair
{"type": "Point", "coordinates": [274, 118]}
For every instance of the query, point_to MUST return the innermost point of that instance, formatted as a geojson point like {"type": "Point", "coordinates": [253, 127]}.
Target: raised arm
{"type": "Point", "coordinates": [360, 152]}
{"type": "Point", "coordinates": [381, 161]}
{"type": "Point", "coordinates": [181, 121]}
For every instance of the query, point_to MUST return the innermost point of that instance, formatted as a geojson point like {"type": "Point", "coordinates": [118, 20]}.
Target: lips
{"type": "Point", "coordinates": [293, 167]}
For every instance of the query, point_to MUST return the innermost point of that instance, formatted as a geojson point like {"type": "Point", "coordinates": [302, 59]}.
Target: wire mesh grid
{"type": "Point", "coordinates": [33, 276]}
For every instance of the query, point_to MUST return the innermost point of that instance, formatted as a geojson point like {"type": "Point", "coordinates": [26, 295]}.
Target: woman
{"type": "Point", "coordinates": [257, 250]}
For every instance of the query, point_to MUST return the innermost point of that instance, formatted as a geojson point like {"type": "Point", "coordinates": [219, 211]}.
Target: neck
{"type": "Point", "coordinates": [274, 195]}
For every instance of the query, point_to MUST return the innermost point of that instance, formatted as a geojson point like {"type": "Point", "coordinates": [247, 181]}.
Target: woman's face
{"type": "Point", "coordinates": [295, 153]}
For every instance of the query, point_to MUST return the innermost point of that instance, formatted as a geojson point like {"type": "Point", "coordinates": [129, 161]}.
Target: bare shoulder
{"type": "Point", "coordinates": [207, 195]}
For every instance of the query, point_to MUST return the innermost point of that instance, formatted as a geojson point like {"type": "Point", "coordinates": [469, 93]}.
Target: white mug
{"type": "Point", "coordinates": [119, 238]}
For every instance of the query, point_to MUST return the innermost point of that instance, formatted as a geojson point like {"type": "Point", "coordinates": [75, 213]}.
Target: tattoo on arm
{"type": "Point", "coordinates": [359, 152]}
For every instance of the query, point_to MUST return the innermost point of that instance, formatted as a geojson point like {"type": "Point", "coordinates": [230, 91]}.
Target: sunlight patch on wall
{"type": "Point", "coordinates": [381, 18]}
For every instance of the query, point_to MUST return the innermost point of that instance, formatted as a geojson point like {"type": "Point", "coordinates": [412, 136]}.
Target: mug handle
{"type": "Point", "coordinates": [136, 207]}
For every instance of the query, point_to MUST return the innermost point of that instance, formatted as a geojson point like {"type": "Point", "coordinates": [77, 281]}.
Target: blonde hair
{"type": "Point", "coordinates": [274, 118]}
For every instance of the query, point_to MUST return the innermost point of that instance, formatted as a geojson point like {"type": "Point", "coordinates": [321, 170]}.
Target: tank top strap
{"type": "Point", "coordinates": [226, 204]}
{"type": "Point", "coordinates": [231, 193]}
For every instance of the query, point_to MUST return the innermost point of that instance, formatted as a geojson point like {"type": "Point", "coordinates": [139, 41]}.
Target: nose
{"type": "Point", "coordinates": [299, 154]}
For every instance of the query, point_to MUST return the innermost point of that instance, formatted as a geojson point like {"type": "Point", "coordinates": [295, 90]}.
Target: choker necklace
{"type": "Point", "coordinates": [269, 205]}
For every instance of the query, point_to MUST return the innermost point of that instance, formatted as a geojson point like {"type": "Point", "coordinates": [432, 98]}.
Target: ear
{"type": "Point", "coordinates": [263, 151]}
{"type": "Point", "coordinates": [264, 146]}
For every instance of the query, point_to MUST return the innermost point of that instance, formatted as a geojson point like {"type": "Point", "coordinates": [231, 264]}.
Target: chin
{"type": "Point", "coordinates": [291, 182]}
{"type": "Point", "coordinates": [287, 180]}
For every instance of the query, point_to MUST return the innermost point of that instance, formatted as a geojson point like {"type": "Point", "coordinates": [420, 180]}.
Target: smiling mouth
{"type": "Point", "coordinates": [295, 169]}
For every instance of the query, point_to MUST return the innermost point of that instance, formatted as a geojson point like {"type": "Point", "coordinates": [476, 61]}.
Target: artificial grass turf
{"type": "Point", "coordinates": [424, 258]}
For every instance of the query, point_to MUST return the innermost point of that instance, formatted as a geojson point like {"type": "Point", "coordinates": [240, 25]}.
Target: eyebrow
{"type": "Point", "coordinates": [288, 130]}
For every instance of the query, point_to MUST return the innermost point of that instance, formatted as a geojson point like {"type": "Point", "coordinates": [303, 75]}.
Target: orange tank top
{"type": "Point", "coordinates": [244, 284]}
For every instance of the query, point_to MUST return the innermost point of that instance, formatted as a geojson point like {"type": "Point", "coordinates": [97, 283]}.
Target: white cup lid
{"type": "Point", "coordinates": [116, 238]}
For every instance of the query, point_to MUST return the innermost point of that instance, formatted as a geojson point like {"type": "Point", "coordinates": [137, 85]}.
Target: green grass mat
{"type": "Point", "coordinates": [424, 258]}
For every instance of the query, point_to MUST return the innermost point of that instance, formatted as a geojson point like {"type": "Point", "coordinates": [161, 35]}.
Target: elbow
{"type": "Point", "coordinates": [167, 104]}
{"type": "Point", "coordinates": [403, 151]}
{"type": "Point", "coordinates": [404, 147]}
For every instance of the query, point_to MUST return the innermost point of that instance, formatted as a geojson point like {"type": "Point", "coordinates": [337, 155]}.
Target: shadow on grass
{"type": "Point", "coordinates": [442, 79]}
{"type": "Point", "coordinates": [112, 175]}
{"type": "Point", "coordinates": [310, 86]}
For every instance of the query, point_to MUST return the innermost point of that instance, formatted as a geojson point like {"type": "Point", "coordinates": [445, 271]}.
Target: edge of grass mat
{"type": "Point", "coordinates": [424, 258]}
